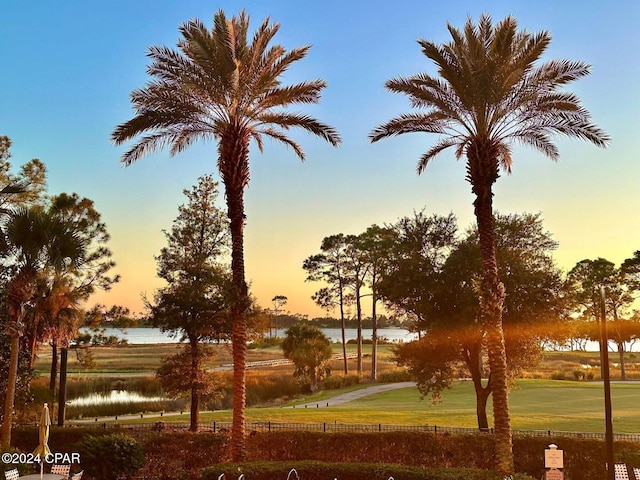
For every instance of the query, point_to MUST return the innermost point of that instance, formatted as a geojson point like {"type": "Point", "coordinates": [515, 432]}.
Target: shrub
{"type": "Point", "coordinates": [111, 456]}
{"type": "Point", "coordinates": [578, 375]}
{"type": "Point", "coordinates": [265, 343]}
{"type": "Point", "coordinates": [23, 468]}
{"type": "Point", "coordinates": [558, 375]}
{"type": "Point", "coordinates": [396, 375]}
{"type": "Point", "coordinates": [335, 382]}
{"type": "Point", "coordinates": [182, 454]}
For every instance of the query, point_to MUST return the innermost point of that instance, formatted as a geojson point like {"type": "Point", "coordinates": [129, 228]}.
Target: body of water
{"type": "Point", "coordinates": [145, 336]}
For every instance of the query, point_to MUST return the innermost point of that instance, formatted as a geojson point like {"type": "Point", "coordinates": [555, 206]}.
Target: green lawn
{"type": "Point", "coordinates": [535, 405]}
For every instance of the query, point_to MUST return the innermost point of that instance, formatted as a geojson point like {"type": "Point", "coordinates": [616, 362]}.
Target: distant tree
{"type": "Point", "coordinates": [221, 85]}
{"type": "Point", "coordinates": [491, 92]}
{"type": "Point", "coordinates": [310, 351]}
{"type": "Point", "coordinates": [331, 266]}
{"type": "Point", "coordinates": [375, 244]}
{"type": "Point", "coordinates": [630, 270]}
{"type": "Point", "coordinates": [357, 270]}
{"type": "Point", "coordinates": [25, 188]}
{"type": "Point", "coordinates": [93, 272]}
{"type": "Point", "coordinates": [200, 385]}
{"type": "Point", "coordinates": [278, 302]}
{"type": "Point", "coordinates": [420, 246]}
{"type": "Point", "coordinates": [195, 303]}
{"type": "Point", "coordinates": [583, 284]}
{"type": "Point", "coordinates": [449, 318]}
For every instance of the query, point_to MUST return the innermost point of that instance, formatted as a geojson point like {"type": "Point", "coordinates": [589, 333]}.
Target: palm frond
{"type": "Point", "coordinates": [433, 152]}
{"type": "Point", "coordinates": [282, 138]}
{"type": "Point", "coordinates": [287, 120]}
{"type": "Point", "coordinates": [409, 123]}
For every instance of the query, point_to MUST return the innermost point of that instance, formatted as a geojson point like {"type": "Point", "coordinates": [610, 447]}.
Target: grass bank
{"type": "Point", "coordinates": [535, 405]}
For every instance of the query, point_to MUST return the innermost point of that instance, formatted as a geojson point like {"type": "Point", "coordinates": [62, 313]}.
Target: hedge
{"type": "Point", "coordinates": [310, 470]}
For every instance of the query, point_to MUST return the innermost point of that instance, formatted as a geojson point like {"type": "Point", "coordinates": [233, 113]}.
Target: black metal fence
{"type": "Point", "coordinates": [328, 427]}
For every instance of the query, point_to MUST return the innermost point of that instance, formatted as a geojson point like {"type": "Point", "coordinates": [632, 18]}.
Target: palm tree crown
{"type": "Point", "coordinates": [491, 92]}
{"type": "Point", "coordinates": [218, 84]}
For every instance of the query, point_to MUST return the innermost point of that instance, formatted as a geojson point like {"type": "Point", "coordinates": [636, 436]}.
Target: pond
{"type": "Point", "coordinates": [115, 397]}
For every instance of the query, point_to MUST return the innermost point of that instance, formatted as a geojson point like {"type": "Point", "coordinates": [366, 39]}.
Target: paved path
{"type": "Point", "coordinates": [356, 394]}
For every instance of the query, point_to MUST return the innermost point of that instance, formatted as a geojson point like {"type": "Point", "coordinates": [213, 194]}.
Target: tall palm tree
{"type": "Point", "coordinates": [35, 240]}
{"type": "Point", "coordinates": [492, 92]}
{"type": "Point", "coordinates": [219, 85]}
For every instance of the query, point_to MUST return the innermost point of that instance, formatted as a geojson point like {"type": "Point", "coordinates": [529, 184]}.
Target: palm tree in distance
{"type": "Point", "coordinates": [220, 86]}
{"type": "Point", "coordinates": [491, 93]}
{"type": "Point", "coordinates": [35, 240]}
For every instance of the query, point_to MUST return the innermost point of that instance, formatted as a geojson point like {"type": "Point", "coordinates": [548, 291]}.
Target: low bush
{"type": "Point", "coordinates": [182, 454]}
{"type": "Point", "coordinates": [108, 457]}
{"type": "Point", "coordinates": [396, 375]}
{"type": "Point", "coordinates": [335, 382]}
{"type": "Point", "coordinates": [8, 462]}
{"type": "Point", "coordinates": [309, 470]}
{"type": "Point", "coordinates": [263, 389]}
{"type": "Point", "coordinates": [265, 343]}
{"type": "Point", "coordinates": [558, 376]}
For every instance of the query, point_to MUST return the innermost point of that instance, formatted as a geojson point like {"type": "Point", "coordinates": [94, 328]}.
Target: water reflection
{"type": "Point", "coordinates": [116, 396]}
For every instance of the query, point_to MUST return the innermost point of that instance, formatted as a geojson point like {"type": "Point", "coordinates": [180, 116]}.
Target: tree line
{"type": "Point", "coordinates": [53, 257]}
{"type": "Point", "coordinates": [427, 272]}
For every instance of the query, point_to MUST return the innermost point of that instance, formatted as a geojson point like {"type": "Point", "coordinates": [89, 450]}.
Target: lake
{"type": "Point", "coordinates": [145, 336]}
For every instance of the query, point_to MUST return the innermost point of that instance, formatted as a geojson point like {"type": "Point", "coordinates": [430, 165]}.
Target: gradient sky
{"type": "Point", "coordinates": [68, 68]}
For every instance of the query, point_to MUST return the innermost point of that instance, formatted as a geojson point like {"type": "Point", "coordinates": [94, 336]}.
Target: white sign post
{"type": "Point", "coordinates": [553, 463]}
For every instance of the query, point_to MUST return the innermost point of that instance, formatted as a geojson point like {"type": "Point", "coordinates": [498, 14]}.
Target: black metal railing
{"type": "Point", "coordinates": [329, 427]}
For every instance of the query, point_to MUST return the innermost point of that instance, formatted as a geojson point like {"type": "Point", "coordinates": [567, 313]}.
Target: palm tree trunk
{"type": "Point", "coordinates": [482, 172]}
{"type": "Point", "coordinates": [54, 368]}
{"type": "Point", "coordinates": [234, 169]}
{"type": "Point", "coordinates": [21, 289]}
{"type": "Point", "coordinates": [7, 419]}
{"type": "Point", "coordinates": [492, 298]}
{"type": "Point", "coordinates": [62, 391]}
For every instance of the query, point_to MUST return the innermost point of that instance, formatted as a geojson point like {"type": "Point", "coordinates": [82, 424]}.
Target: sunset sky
{"type": "Point", "coordinates": [68, 68]}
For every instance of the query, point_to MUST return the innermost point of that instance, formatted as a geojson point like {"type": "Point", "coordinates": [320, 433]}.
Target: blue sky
{"type": "Point", "coordinates": [68, 68]}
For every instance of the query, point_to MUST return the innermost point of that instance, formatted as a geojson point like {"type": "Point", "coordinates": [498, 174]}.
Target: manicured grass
{"type": "Point", "coordinates": [535, 405]}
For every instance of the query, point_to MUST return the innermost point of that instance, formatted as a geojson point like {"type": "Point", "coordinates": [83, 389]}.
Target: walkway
{"type": "Point", "coordinates": [356, 394]}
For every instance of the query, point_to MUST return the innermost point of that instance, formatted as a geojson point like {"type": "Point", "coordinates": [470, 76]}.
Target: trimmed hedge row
{"type": "Point", "coordinates": [310, 470]}
{"type": "Point", "coordinates": [183, 455]}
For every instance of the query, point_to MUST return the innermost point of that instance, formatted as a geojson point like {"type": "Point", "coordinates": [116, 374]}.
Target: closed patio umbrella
{"type": "Point", "coordinates": [43, 435]}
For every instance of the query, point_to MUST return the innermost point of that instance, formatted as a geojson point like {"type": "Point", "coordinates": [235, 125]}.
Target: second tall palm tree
{"type": "Point", "coordinates": [489, 94]}
{"type": "Point", "coordinates": [220, 85]}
